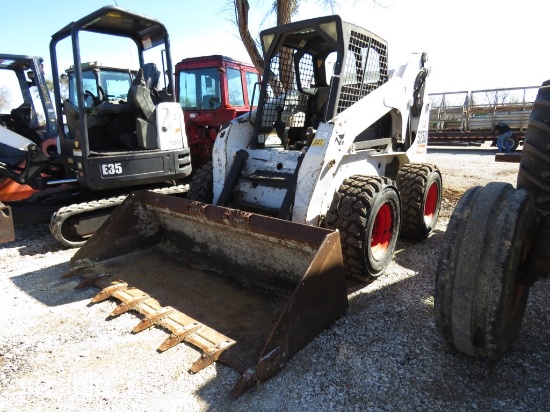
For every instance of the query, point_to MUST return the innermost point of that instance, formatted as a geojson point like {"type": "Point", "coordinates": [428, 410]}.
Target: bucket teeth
{"type": "Point", "coordinates": [210, 356]}
{"type": "Point", "coordinates": [90, 281]}
{"type": "Point", "coordinates": [179, 336]}
{"type": "Point", "coordinates": [74, 271]}
{"type": "Point", "coordinates": [108, 291]}
{"type": "Point", "coordinates": [182, 327]}
{"type": "Point", "coordinates": [128, 305]}
{"type": "Point", "coordinates": [149, 321]}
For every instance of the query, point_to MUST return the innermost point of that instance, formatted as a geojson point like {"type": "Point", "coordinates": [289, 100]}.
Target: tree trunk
{"type": "Point", "coordinates": [286, 74]}
{"type": "Point", "coordinates": [241, 16]}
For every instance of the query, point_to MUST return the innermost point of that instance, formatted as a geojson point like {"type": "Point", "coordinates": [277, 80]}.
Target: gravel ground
{"type": "Point", "coordinates": [57, 351]}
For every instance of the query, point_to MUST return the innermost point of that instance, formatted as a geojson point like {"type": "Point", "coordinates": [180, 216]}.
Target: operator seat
{"type": "Point", "coordinates": [72, 116]}
{"type": "Point", "coordinates": [142, 96]}
{"type": "Point", "coordinates": [25, 123]}
{"type": "Point", "coordinates": [210, 101]}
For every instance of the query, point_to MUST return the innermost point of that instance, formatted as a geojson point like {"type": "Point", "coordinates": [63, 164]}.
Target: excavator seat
{"type": "Point", "coordinates": [72, 116]}
{"type": "Point", "coordinates": [143, 96]}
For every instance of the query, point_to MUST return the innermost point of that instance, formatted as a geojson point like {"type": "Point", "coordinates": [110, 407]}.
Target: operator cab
{"type": "Point", "coordinates": [314, 72]}
{"type": "Point", "coordinates": [110, 117]}
{"type": "Point", "coordinates": [124, 127]}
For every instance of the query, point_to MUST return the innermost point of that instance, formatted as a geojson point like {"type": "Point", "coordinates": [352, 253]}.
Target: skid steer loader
{"type": "Point", "coordinates": [115, 141]}
{"type": "Point", "coordinates": [312, 186]}
{"type": "Point", "coordinates": [497, 245]}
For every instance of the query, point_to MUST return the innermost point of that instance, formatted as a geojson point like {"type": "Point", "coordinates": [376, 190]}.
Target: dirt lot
{"type": "Point", "coordinates": [57, 351]}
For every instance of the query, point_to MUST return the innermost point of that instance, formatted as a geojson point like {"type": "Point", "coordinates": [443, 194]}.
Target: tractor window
{"type": "Point", "coordinates": [199, 88]}
{"type": "Point", "coordinates": [251, 80]}
{"type": "Point", "coordinates": [235, 87]}
{"type": "Point", "coordinates": [89, 83]}
{"type": "Point", "coordinates": [115, 84]}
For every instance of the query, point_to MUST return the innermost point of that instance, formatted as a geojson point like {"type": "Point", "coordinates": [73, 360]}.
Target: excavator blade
{"type": "Point", "coordinates": [245, 289]}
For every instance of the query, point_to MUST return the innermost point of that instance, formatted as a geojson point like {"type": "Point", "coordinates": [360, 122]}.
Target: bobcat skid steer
{"type": "Point", "coordinates": [249, 268]}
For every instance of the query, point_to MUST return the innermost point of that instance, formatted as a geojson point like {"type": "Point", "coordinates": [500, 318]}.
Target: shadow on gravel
{"type": "Point", "coordinates": [385, 350]}
{"type": "Point", "coordinates": [33, 240]}
{"type": "Point", "coordinates": [382, 319]}
{"type": "Point", "coordinates": [46, 286]}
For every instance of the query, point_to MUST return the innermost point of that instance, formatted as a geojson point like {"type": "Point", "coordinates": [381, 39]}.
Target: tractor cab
{"type": "Point", "coordinates": [212, 90]}
{"type": "Point", "coordinates": [314, 72]}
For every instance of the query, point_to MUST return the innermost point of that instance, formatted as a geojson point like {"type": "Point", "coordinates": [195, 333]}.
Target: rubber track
{"type": "Point", "coordinates": [60, 217]}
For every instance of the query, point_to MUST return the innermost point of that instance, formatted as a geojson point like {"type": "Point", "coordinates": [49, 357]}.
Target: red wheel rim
{"type": "Point", "coordinates": [431, 203]}
{"type": "Point", "coordinates": [382, 231]}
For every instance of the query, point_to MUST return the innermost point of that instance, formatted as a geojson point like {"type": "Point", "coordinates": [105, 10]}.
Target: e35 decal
{"type": "Point", "coordinates": [110, 169]}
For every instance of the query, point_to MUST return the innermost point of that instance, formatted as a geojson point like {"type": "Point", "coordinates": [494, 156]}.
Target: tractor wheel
{"type": "Point", "coordinates": [366, 211]}
{"type": "Point", "coordinates": [202, 184]}
{"type": "Point", "coordinates": [481, 288]}
{"type": "Point", "coordinates": [512, 142]}
{"type": "Point", "coordinates": [420, 189]}
{"type": "Point", "coordinates": [535, 159]}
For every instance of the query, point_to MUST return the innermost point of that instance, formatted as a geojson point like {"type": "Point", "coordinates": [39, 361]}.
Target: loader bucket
{"type": "Point", "coordinates": [245, 289]}
{"type": "Point", "coordinates": [7, 232]}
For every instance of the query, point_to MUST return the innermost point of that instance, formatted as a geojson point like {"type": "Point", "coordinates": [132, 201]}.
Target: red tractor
{"type": "Point", "coordinates": [212, 90]}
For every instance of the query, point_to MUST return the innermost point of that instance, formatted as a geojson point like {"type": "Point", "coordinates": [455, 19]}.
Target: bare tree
{"type": "Point", "coordinates": [241, 18]}
{"type": "Point", "coordinates": [5, 98]}
{"type": "Point", "coordinates": [284, 9]}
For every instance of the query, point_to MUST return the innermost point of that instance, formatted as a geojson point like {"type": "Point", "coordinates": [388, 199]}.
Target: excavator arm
{"type": "Point", "coordinates": [21, 160]}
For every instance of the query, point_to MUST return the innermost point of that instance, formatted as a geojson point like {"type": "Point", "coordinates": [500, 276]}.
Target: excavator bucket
{"type": "Point", "coordinates": [245, 289]}
{"type": "Point", "coordinates": [7, 232]}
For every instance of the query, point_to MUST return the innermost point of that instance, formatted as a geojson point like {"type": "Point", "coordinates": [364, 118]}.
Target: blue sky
{"type": "Point", "coordinates": [472, 44]}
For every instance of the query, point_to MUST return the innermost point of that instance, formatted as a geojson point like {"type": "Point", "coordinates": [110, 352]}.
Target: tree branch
{"type": "Point", "coordinates": [241, 16]}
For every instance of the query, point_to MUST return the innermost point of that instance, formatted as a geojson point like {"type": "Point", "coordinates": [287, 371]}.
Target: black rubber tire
{"type": "Point", "coordinates": [420, 188]}
{"type": "Point", "coordinates": [360, 208]}
{"type": "Point", "coordinates": [514, 143]}
{"type": "Point", "coordinates": [202, 184]}
{"type": "Point", "coordinates": [535, 158]}
{"type": "Point", "coordinates": [481, 290]}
